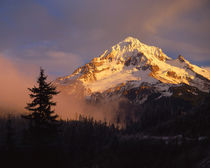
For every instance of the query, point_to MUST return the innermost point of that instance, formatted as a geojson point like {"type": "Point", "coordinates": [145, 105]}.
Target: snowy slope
{"type": "Point", "coordinates": [134, 62]}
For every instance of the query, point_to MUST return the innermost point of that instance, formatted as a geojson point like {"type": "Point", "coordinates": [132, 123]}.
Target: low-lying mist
{"type": "Point", "coordinates": [16, 78]}
{"type": "Point", "coordinates": [71, 107]}
{"type": "Point", "coordinates": [13, 87]}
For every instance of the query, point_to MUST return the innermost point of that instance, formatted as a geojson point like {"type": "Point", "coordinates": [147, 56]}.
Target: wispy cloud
{"type": "Point", "coordinates": [57, 63]}
{"type": "Point", "coordinates": [14, 84]}
{"type": "Point", "coordinates": [84, 29]}
{"type": "Point", "coordinates": [165, 13]}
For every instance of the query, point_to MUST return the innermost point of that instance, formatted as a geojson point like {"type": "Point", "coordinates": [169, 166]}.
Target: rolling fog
{"type": "Point", "coordinates": [14, 95]}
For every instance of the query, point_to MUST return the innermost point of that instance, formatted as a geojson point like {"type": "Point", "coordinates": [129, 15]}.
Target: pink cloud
{"type": "Point", "coordinates": [14, 84]}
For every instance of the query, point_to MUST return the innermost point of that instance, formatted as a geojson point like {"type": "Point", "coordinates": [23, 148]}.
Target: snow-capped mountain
{"type": "Point", "coordinates": [133, 65]}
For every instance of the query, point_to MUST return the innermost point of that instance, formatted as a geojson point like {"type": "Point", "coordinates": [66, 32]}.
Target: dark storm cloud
{"type": "Point", "coordinates": [77, 30]}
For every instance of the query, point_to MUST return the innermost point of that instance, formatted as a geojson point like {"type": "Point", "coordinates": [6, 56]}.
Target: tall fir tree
{"type": "Point", "coordinates": [42, 117]}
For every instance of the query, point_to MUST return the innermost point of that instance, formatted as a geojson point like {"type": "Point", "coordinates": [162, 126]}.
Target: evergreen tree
{"type": "Point", "coordinates": [42, 117]}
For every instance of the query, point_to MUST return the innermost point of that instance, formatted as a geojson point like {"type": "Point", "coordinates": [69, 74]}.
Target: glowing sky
{"type": "Point", "coordinates": [60, 35]}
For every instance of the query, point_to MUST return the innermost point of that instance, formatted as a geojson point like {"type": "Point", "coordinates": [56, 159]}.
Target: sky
{"type": "Point", "coordinates": [61, 35]}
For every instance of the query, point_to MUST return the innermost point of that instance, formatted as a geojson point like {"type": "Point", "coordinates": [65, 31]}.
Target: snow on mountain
{"type": "Point", "coordinates": [134, 62]}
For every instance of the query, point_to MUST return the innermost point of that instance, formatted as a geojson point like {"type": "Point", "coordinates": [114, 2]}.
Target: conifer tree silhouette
{"type": "Point", "coordinates": [42, 117]}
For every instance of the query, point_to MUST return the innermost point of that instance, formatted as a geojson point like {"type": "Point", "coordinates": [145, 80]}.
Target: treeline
{"type": "Point", "coordinates": [90, 143]}
{"type": "Point", "coordinates": [76, 143]}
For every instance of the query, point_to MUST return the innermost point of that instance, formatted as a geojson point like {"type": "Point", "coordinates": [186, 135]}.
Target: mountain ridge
{"type": "Point", "coordinates": [133, 64]}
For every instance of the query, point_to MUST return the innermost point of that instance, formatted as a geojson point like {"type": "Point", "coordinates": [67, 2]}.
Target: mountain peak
{"type": "Point", "coordinates": [131, 60]}
{"type": "Point", "coordinates": [131, 39]}
{"type": "Point", "coordinates": [131, 47]}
